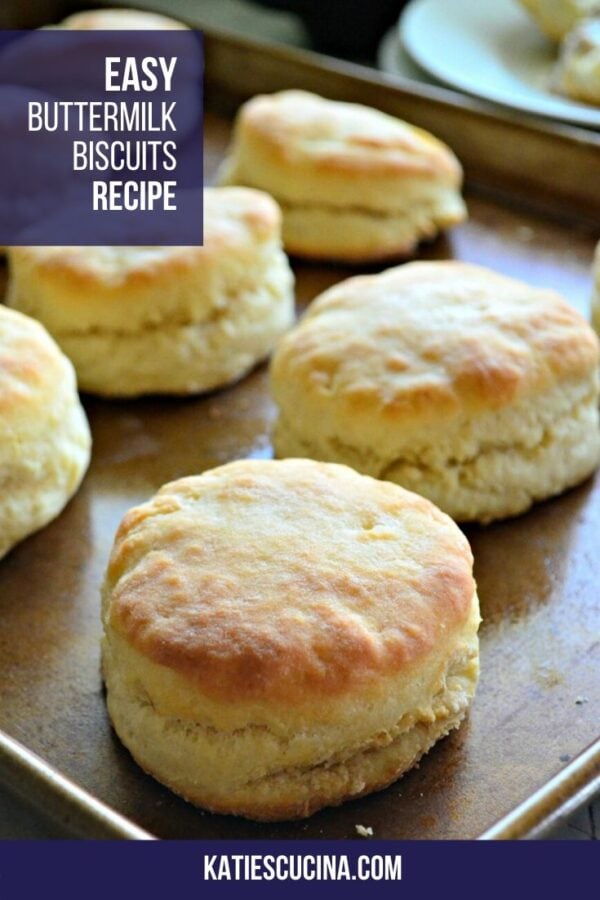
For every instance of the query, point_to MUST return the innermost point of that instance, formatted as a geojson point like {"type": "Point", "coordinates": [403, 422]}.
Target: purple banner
{"type": "Point", "coordinates": [101, 137]}
{"type": "Point", "coordinates": [421, 869]}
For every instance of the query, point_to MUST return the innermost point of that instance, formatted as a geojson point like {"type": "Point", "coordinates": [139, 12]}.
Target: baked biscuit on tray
{"type": "Point", "coordinates": [165, 320]}
{"type": "Point", "coordinates": [472, 389]}
{"type": "Point", "coordinates": [282, 636]}
{"type": "Point", "coordinates": [44, 434]}
{"type": "Point", "coordinates": [355, 185]}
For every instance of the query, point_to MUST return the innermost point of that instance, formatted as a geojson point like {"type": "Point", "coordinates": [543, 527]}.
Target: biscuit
{"type": "Point", "coordinates": [578, 70]}
{"type": "Point", "coordinates": [44, 434]}
{"type": "Point", "coordinates": [165, 320]}
{"type": "Point", "coordinates": [281, 636]}
{"type": "Point", "coordinates": [596, 291]}
{"type": "Point", "coordinates": [557, 17]}
{"type": "Point", "coordinates": [354, 184]}
{"type": "Point", "coordinates": [121, 20]}
{"type": "Point", "coordinates": [472, 389]}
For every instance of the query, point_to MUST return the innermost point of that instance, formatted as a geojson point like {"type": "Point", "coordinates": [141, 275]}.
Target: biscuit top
{"type": "Point", "coordinates": [120, 19]}
{"type": "Point", "coordinates": [303, 127]}
{"type": "Point", "coordinates": [124, 289]}
{"type": "Point", "coordinates": [233, 216]}
{"type": "Point", "coordinates": [31, 370]}
{"type": "Point", "coordinates": [310, 151]}
{"type": "Point", "coordinates": [423, 343]}
{"type": "Point", "coordinates": [287, 580]}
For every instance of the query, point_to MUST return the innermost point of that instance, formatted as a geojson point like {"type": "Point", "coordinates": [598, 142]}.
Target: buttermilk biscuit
{"type": "Point", "coordinates": [44, 434]}
{"type": "Point", "coordinates": [578, 69]}
{"type": "Point", "coordinates": [141, 320]}
{"type": "Point", "coordinates": [119, 19]}
{"type": "Point", "coordinates": [283, 636]}
{"type": "Point", "coordinates": [354, 184]}
{"type": "Point", "coordinates": [557, 17]}
{"type": "Point", "coordinates": [470, 388]}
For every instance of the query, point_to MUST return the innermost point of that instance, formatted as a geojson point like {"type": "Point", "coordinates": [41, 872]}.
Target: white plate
{"type": "Point", "coordinates": [490, 49]}
{"type": "Point", "coordinates": [393, 59]}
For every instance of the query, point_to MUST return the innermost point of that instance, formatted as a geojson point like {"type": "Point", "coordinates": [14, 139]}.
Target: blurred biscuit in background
{"type": "Point", "coordinates": [355, 185]}
{"type": "Point", "coordinates": [577, 73]}
{"type": "Point", "coordinates": [119, 19]}
{"type": "Point", "coordinates": [557, 17]}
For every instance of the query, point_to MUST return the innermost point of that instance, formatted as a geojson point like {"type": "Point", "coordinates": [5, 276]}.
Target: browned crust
{"type": "Point", "coordinates": [297, 129]}
{"type": "Point", "coordinates": [214, 579]}
{"type": "Point", "coordinates": [236, 217]}
{"type": "Point", "coordinates": [395, 349]}
{"type": "Point", "coordinates": [30, 364]}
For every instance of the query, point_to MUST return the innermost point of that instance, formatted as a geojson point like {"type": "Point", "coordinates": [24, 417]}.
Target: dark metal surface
{"type": "Point", "coordinates": [550, 807]}
{"type": "Point", "coordinates": [75, 810]}
{"type": "Point", "coordinates": [538, 700]}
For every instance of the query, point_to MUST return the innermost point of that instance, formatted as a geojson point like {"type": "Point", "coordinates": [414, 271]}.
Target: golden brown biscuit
{"type": "Point", "coordinates": [557, 17]}
{"type": "Point", "coordinates": [44, 434]}
{"type": "Point", "coordinates": [283, 636]}
{"type": "Point", "coordinates": [475, 390]}
{"type": "Point", "coordinates": [140, 320]}
{"type": "Point", "coordinates": [354, 184]}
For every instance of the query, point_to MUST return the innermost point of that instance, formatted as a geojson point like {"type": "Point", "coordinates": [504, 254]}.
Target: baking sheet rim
{"type": "Point", "coordinates": [532, 819]}
{"type": "Point", "coordinates": [64, 801]}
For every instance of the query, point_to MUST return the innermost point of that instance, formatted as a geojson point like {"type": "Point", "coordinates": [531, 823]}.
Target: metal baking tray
{"type": "Point", "coordinates": [528, 753]}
